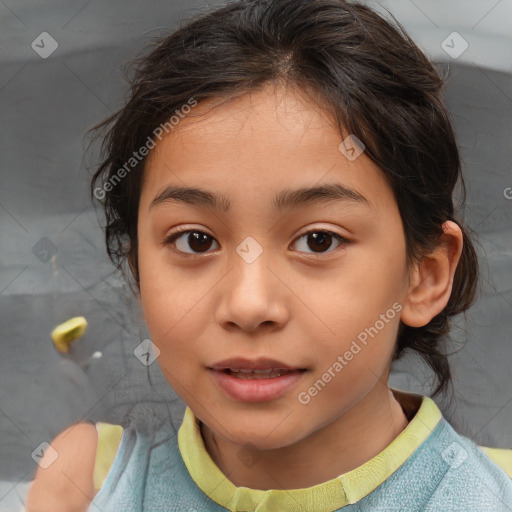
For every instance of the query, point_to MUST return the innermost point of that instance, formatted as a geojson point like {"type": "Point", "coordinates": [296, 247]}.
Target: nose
{"type": "Point", "coordinates": [252, 296]}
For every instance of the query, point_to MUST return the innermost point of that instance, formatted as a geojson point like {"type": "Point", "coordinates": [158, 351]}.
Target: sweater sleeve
{"type": "Point", "coordinates": [109, 437]}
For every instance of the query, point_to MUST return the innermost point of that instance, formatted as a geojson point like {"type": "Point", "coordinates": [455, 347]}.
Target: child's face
{"type": "Point", "coordinates": [301, 301]}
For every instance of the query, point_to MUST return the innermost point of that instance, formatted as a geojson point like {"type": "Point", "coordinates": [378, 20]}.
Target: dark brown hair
{"type": "Point", "coordinates": [363, 68]}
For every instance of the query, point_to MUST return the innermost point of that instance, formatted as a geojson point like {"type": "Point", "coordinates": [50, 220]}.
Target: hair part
{"type": "Point", "coordinates": [366, 71]}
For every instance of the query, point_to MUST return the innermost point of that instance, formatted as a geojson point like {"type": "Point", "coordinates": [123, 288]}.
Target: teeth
{"type": "Point", "coordinates": [243, 373]}
{"type": "Point", "coordinates": [243, 370]}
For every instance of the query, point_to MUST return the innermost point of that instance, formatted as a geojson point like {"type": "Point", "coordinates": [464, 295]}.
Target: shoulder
{"type": "Point", "coordinates": [64, 478]}
{"type": "Point", "coordinates": [500, 456]}
{"type": "Point", "coordinates": [471, 480]}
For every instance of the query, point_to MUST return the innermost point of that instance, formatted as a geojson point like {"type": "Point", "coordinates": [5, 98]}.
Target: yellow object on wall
{"type": "Point", "coordinates": [64, 334]}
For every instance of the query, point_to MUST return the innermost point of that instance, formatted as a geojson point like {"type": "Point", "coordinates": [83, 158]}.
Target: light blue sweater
{"type": "Point", "coordinates": [446, 473]}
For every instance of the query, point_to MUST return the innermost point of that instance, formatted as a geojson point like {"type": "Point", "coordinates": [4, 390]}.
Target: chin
{"type": "Point", "coordinates": [251, 439]}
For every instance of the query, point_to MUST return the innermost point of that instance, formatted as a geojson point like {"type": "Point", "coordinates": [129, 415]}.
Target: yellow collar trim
{"type": "Point", "coordinates": [345, 489]}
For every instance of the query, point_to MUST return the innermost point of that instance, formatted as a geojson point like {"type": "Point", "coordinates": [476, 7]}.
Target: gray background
{"type": "Point", "coordinates": [46, 106]}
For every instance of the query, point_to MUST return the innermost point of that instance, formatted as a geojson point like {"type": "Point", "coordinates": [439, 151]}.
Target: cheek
{"type": "Point", "coordinates": [364, 347]}
{"type": "Point", "coordinates": [348, 369]}
{"type": "Point", "coordinates": [354, 298]}
{"type": "Point", "coordinates": [174, 307]}
{"type": "Point", "coordinates": [158, 295]}
{"type": "Point", "coordinates": [358, 328]}
{"type": "Point", "coordinates": [168, 318]}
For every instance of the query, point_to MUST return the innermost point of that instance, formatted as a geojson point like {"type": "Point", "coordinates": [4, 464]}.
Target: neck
{"type": "Point", "coordinates": [346, 443]}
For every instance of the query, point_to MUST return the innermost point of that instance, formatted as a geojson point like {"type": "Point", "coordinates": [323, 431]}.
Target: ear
{"type": "Point", "coordinates": [431, 280]}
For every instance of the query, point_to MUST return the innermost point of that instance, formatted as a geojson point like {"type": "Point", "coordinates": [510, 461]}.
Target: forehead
{"type": "Point", "coordinates": [258, 144]}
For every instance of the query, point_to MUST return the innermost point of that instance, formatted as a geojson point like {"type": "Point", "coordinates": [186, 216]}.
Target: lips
{"type": "Point", "coordinates": [259, 380]}
{"type": "Point", "coordinates": [262, 366]}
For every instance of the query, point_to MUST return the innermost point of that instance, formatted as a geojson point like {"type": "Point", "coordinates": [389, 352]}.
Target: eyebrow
{"type": "Point", "coordinates": [284, 199]}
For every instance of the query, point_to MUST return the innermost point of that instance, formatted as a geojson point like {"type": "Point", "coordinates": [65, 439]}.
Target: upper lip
{"type": "Point", "coordinates": [263, 363]}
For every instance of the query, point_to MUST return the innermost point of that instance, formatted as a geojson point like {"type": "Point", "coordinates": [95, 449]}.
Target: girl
{"type": "Point", "coordinates": [280, 184]}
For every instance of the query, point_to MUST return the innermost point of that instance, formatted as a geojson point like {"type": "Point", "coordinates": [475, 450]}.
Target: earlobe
{"type": "Point", "coordinates": [431, 280]}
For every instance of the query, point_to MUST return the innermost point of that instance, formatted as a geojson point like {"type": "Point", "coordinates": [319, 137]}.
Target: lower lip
{"type": "Point", "coordinates": [256, 390]}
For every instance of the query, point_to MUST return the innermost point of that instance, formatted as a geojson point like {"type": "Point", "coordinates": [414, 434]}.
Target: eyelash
{"type": "Point", "coordinates": [180, 231]}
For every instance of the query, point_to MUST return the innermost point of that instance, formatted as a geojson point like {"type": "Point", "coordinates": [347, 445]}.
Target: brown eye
{"type": "Point", "coordinates": [320, 241]}
{"type": "Point", "coordinates": [197, 241]}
